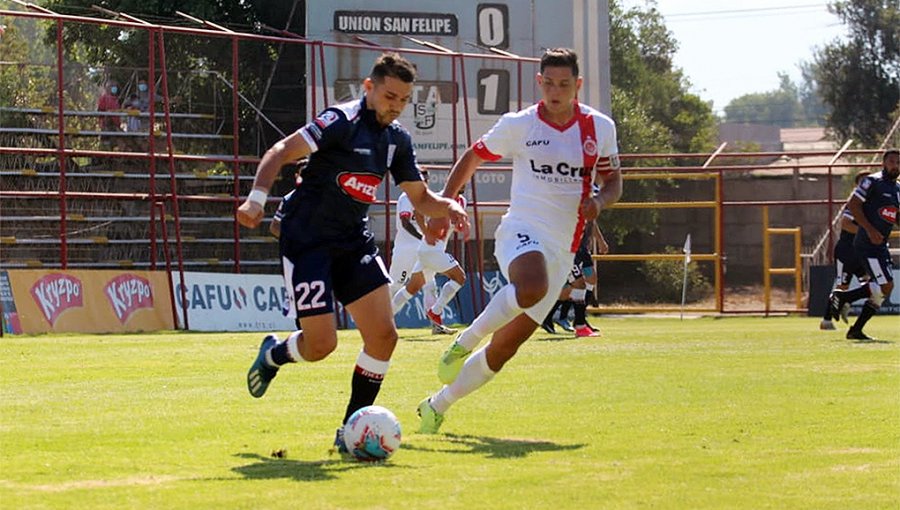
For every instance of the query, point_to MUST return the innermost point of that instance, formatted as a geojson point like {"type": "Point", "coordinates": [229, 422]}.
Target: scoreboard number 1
{"type": "Point", "coordinates": [493, 91]}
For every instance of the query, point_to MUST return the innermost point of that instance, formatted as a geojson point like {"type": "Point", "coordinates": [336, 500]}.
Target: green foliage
{"type": "Point", "coordinates": [28, 79]}
{"type": "Point", "coordinates": [641, 54]}
{"type": "Point", "coordinates": [653, 110]}
{"type": "Point", "coordinates": [780, 107]}
{"type": "Point", "coordinates": [736, 413]}
{"type": "Point", "coordinates": [859, 77]}
{"type": "Point", "coordinates": [665, 279]}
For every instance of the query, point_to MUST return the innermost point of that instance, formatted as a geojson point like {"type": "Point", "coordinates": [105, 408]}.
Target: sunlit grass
{"type": "Point", "coordinates": [658, 413]}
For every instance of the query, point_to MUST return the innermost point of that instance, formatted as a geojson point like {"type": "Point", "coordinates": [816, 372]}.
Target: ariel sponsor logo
{"type": "Point", "coordinates": [888, 214]}
{"type": "Point", "coordinates": [127, 294]}
{"type": "Point", "coordinates": [361, 187]}
{"type": "Point", "coordinates": [56, 293]}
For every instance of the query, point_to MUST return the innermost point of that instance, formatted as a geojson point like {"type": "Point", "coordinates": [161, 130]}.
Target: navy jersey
{"type": "Point", "coordinates": [881, 200]}
{"type": "Point", "coordinates": [351, 154]}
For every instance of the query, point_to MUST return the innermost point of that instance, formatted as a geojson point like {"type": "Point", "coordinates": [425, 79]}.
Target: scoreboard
{"type": "Point", "coordinates": [492, 86]}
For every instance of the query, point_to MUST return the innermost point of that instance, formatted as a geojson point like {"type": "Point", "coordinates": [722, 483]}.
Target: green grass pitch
{"type": "Point", "coordinates": [736, 413]}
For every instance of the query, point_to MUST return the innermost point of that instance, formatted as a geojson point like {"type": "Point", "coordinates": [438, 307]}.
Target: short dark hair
{"type": "Point", "coordinates": [888, 153]}
{"type": "Point", "coordinates": [560, 57]}
{"type": "Point", "coordinates": [393, 65]}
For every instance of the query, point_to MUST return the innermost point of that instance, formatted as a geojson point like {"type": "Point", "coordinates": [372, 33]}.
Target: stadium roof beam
{"type": "Point", "coordinates": [366, 41]}
{"type": "Point", "coordinates": [35, 7]}
{"type": "Point", "coordinates": [285, 33]}
{"type": "Point", "coordinates": [204, 22]}
{"type": "Point", "coordinates": [714, 155]}
{"type": "Point", "coordinates": [492, 49]}
{"type": "Point", "coordinates": [122, 15]}
{"type": "Point", "coordinates": [428, 44]}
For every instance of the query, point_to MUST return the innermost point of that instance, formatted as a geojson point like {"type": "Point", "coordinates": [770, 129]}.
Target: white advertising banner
{"type": "Point", "coordinates": [233, 302]}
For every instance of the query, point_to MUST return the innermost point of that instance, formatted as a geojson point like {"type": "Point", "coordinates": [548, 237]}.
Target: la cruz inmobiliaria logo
{"type": "Point", "coordinates": [127, 294]}
{"type": "Point", "coordinates": [55, 293]}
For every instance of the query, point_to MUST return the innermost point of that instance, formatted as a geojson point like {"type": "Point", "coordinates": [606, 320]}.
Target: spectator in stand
{"type": "Point", "coordinates": [143, 103]}
{"type": "Point", "coordinates": [109, 102]}
{"type": "Point", "coordinates": [132, 121]}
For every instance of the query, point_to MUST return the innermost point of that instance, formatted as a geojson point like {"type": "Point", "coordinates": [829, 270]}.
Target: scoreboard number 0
{"type": "Point", "coordinates": [493, 25]}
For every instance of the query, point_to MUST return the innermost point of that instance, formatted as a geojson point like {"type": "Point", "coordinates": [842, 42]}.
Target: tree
{"type": "Point", "coordinates": [653, 109]}
{"type": "Point", "coordinates": [859, 78]}
{"type": "Point", "coordinates": [199, 68]}
{"type": "Point", "coordinates": [780, 107]}
{"type": "Point", "coordinates": [641, 54]}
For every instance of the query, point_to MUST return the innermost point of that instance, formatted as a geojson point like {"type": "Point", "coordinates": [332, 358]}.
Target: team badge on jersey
{"type": "Point", "coordinates": [589, 146]}
{"type": "Point", "coordinates": [326, 118]}
{"type": "Point", "coordinates": [360, 187]}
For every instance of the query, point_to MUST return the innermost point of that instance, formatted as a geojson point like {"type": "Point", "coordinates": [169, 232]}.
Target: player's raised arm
{"type": "Point", "coordinates": [287, 150]}
{"type": "Point", "coordinates": [432, 205]}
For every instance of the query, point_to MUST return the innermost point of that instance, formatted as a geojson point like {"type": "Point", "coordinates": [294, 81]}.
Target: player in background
{"type": "Point", "coordinates": [874, 205]}
{"type": "Point", "coordinates": [846, 264]}
{"type": "Point", "coordinates": [579, 290]}
{"type": "Point", "coordinates": [557, 147]}
{"type": "Point", "coordinates": [325, 244]}
{"type": "Point", "coordinates": [431, 259]}
{"type": "Point", "coordinates": [405, 261]}
{"type": "Point", "coordinates": [406, 243]}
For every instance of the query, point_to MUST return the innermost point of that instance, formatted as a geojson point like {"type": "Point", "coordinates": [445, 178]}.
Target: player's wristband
{"type": "Point", "coordinates": [258, 197]}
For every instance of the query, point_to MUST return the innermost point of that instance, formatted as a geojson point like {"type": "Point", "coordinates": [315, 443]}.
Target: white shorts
{"type": "Point", "coordinates": [434, 258]}
{"type": "Point", "coordinates": [514, 238]}
{"type": "Point", "coordinates": [403, 259]}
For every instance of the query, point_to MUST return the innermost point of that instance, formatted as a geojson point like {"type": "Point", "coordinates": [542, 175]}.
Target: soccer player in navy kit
{"type": "Point", "coordinates": [847, 265]}
{"type": "Point", "coordinates": [326, 246]}
{"type": "Point", "coordinates": [874, 205]}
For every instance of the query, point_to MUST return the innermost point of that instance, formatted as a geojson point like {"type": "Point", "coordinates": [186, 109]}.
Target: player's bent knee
{"type": "Point", "coordinates": [877, 293]}
{"type": "Point", "coordinates": [315, 351]}
{"type": "Point", "coordinates": [531, 294]}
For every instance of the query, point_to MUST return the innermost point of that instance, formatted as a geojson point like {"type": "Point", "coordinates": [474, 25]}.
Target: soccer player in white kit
{"type": "Point", "coordinates": [406, 243]}
{"type": "Point", "coordinates": [431, 259]}
{"type": "Point", "coordinates": [558, 146]}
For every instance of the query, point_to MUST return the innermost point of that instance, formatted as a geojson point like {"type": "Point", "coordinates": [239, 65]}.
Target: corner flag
{"type": "Point", "coordinates": [687, 260]}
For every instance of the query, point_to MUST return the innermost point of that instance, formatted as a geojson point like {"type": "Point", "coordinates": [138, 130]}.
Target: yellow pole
{"type": "Point", "coordinates": [718, 237]}
{"type": "Point", "coordinates": [798, 274]}
{"type": "Point", "coordinates": [766, 283]}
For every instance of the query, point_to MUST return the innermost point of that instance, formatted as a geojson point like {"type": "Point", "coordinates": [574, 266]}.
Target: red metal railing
{"type": "Point", "coordinates": [317, 59]}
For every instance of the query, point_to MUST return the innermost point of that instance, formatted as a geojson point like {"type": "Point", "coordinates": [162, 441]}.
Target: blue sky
{"type": "Point", "coordinates": [729, 48]}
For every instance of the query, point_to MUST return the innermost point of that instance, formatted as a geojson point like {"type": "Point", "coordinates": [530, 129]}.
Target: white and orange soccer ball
{"type": "Point", "coordinates": [372, 434]}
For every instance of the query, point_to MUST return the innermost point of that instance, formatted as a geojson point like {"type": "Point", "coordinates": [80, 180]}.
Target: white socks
{"type": "Point", "coordinates": [399, 300]}
{"type": "Point", "coordinates": [502, 308]}
{"type": "Point", "coordinates": [475, 373]}
{"type": "Point", "coordinates": [447, 292]}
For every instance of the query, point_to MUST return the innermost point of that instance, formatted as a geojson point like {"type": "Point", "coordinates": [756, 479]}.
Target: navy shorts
{"type": "Point", "coordinates": [312, 276]}
{"type": "Point", "coordinates": [583, 257]}
{"type": "Point", "coordinates": [876, 261]}
{"type": "Point", "coordinates": [848, 264]}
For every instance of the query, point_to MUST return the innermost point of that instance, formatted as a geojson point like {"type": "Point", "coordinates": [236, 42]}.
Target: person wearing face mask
{"type": "Point", "coordinates": [109, 102]}
{"type": "Point", "coordinates": [143, 102]}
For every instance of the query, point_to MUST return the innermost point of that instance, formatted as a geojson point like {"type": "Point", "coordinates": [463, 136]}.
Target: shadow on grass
{"type": "Point", "coordinates": [871, 341]}
{"type": "Point", "coordinates": [558, 337]}
{"type": "Point", "coordinates": [270, 468]}
{"type": "Point", "coordinates": [495, 448]}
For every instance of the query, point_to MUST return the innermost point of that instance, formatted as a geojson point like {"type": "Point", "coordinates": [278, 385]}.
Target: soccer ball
{"type": "Point", "coordinates": [372, 434]}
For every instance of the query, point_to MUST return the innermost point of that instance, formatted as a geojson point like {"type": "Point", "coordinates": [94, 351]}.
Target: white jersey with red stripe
{"type": "Point", "coordinates": [405, 211]}
{"type": "Point", "coordinates": [549, 179]}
